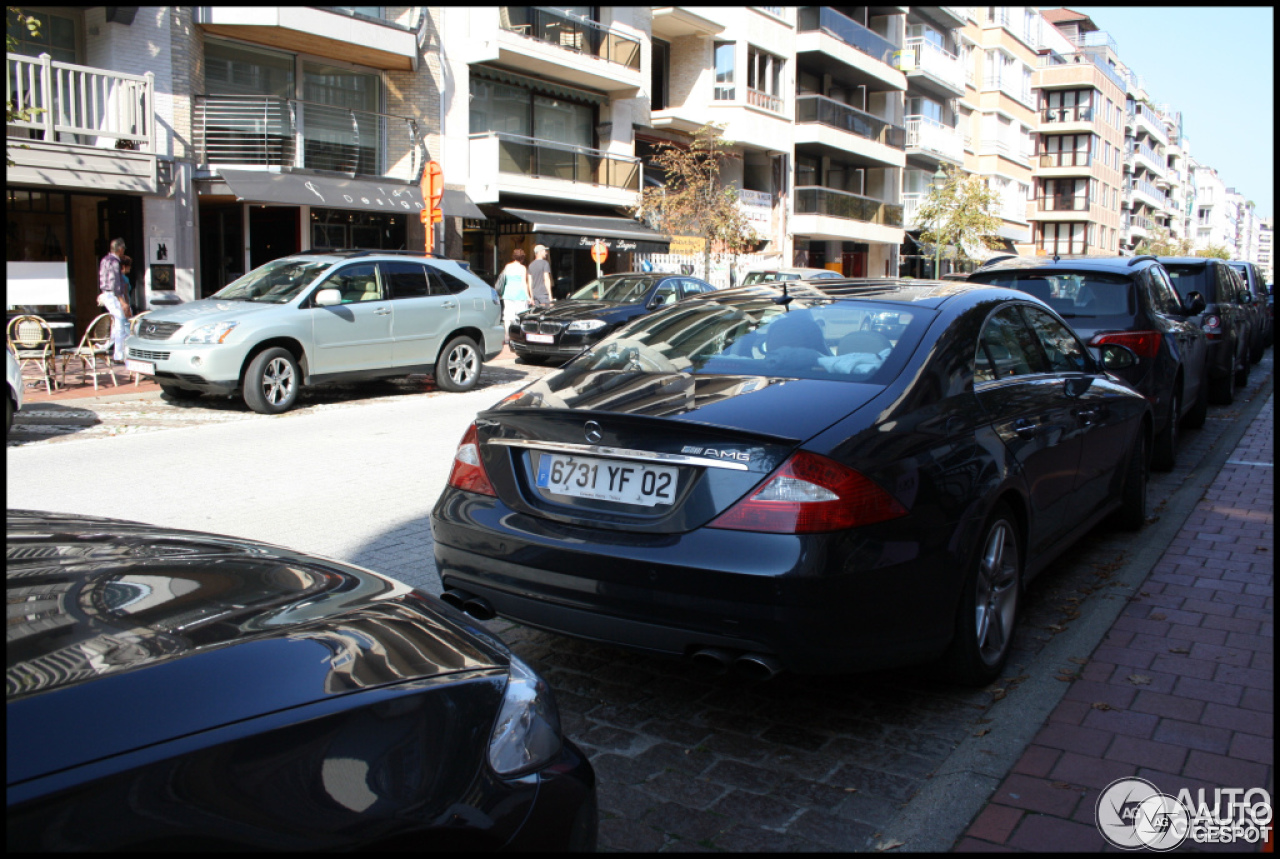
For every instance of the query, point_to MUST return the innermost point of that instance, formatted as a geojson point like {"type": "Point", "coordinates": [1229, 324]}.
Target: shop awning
{"type": "Point", "coordinates": [620, 235]}
{"type": "Point", "coordinates": [304, 189]}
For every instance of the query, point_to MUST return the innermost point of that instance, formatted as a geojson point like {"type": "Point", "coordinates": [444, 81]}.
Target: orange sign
{"type": "Point", "coordinates": [433, 193]}
{"type": "Point", "coordinates": [599, 252]}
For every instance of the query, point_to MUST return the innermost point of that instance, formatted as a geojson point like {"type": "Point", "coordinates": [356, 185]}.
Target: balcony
{"type": "Point", "coordinates": [1064, 159]}
{"type": "Point", "coordinates": [825, 121]}
{"type": "Point", "coordinates": [1060, 70]}
{"type": "Point", "coordinates": [910, 207]}
{"type": "Point", "coordinates": [266, 131]}
{"type": "Point", "coordinates": [561, 46]}
{"type": "Point", "coordinates": [823, 29]}
{"type": "Point", "coordinates": [1067, 114]}
{"type": "Point", "coordinates": [931, 67]}
{"type": "Point", "coordinates": [543, 168]}
{"type": "Point", "coordinates": [762, 99]}
{"type": "Point", "coordinates": [97, 129]}
{"type": "Point", "coordinates": [672, 22]}
{"type": "Point", "coordinates": [827, 213]}
{"type": "Point", "coordinates": [1146, 192]}
{"type": "Point", "coordinates": [928, 137]}
{"type": "Point", "coordinates": [1149, 158]}
{"type": "Point", "coordinates": [1145, 119]}
{"type": "Point", "coordinates": [334, 32]}
{"type": "Point", "coordinates": [1061, 208]}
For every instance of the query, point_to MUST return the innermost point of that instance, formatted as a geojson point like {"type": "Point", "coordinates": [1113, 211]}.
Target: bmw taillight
{"type": "Point", "coordinates": [808, 494]}
{"type": "Point", "coordinates": [1145, 344]}
{"type": "Point", "coordinates": [468, 469]}
{"type": "Point", "coordinates": [1212, 327]}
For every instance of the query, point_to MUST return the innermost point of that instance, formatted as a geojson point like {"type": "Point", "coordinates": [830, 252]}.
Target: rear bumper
{"type": "Point", "coordinates": [831, 603]}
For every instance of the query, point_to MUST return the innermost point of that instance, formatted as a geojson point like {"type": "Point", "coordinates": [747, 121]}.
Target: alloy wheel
{"type": "Point", "coordinates": [997, 597]}
{"type": "Point", "coordinates": [463, 364]}
{"type": "Point", "coordinates": [277, 381]}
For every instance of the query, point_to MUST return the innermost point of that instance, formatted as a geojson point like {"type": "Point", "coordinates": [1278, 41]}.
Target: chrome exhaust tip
{"type": "Point", "coordinates": [455, 598]}
{"type": "Point", "coordinates": [712, 659]}
{"type": "Point", "coordinates": [479, 608]}
{"type": "Point", "coordinates": [757, 666]}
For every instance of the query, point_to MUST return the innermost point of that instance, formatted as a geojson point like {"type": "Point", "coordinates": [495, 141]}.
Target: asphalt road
{"type": "Point", "coordinates": [685, 761]}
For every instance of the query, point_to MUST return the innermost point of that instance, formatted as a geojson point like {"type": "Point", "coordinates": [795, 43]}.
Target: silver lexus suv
{"type": "Point", "coordinates": [322, 317]}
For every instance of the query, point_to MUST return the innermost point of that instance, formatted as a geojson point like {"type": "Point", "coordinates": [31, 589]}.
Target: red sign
{"type": "Point", "coordinates": [433, 192]}
{"type": "Point", "coordinates": [599, 252]}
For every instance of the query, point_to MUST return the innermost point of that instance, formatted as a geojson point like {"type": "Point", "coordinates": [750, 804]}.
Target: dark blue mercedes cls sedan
{"type": "Point", "coordinates": [173, 690]}
{"type": "Point", "coordinates": [825, 477]}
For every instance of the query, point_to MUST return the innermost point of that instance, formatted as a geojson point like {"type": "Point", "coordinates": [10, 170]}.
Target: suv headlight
{"type": "Point", "coordinates": [213, 333]}
{"type": "Point", "coordinates": [586, 325]}
{"type": "Point", "coordinates": [527, 733]}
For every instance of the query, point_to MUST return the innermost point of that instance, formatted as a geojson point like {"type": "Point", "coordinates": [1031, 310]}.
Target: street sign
{"type": "Point", "coordinates": [433, 193]}
{"type": "Point", "coordinates": [599, 252]}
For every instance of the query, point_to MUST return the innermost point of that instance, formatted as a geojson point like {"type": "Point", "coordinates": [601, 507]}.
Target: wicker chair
{"type": "Point", "coordinates": [31, 340]}
{"type": "Point", "coordinates": [95, 344]}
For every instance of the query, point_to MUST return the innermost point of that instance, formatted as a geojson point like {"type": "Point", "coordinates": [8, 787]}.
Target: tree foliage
{"type": "Point", "coordinates": [963, 211]}
{"type": "Point", "coordinates": [13, 112]}
{"type": "Point", "coordinates": [1162, 243]}
{"type": "Point", "coordinates": [692, 201]}
{"type": "Point", "coordinates": [1217, 251]}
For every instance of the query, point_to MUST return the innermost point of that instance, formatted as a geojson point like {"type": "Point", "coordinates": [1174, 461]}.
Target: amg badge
{"type": "Point", "coordinates": [694, 450]}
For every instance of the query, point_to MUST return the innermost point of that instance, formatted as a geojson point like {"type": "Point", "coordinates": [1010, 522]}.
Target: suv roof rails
{"type": "Point", "coordinates": [363, 252]}
{"type": "Point", "coordinates": [1140, 257]}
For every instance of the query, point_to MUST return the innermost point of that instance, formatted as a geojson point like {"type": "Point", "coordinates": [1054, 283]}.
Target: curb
{"type": "Point", "coordinates": [939, 815]}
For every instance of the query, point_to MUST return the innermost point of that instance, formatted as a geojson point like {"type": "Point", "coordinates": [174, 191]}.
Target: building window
{"type": "Point", "coordinates": [56, 36]}
{"type": "Point", "coordinates": [1065, 150]}
{"type": "Point", "coordinates": [509, 109]}
{"type": "Point", "coordinates": [234, 69]}
{"type": "Point", "coordinates": [1062, 239]}
{"type": "Point", "coordinates": [926, 107]}
{"type": "Point", "coordinates": [1067, 105]}
{"type": "Point", "coordinates": [660, 75]}
{"type": "Point", "coordinates": [764, 80]}
{"type": "Point", "coordinates": [724, 52]}
{"type": "Point", "coordinates": [1065, 195]}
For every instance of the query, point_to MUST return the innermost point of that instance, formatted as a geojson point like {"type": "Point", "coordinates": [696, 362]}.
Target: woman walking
{"type": "Point", "coordinates": [513, 286]}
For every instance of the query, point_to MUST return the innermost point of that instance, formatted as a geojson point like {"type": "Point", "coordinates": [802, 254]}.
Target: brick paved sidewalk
{"type": "Point", "coordinates": [1180, 692]}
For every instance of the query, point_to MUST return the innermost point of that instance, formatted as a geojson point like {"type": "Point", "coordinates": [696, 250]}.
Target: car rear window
{"type": "Point", "coordinates": [836, 339]}
{"type": "Point", "coordinates": [1193, 278]}
{"type": "Point", "coordinates": [1071, 294]}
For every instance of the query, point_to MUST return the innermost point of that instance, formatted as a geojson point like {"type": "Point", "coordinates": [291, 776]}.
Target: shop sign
{"type": "Point", "coordinates": [686, 245]}
{"type": "Point", "coordinates": [756, 206]}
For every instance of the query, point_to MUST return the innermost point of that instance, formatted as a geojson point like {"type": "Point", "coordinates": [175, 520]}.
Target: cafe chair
{"type": "Point", "coordinates": [31, 340]}
{"type": "Point", "coordinates": [95, 345]}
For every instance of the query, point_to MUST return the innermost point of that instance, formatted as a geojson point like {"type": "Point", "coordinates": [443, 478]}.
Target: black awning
{"type": "Point", "coordinates": [456, 204]}
{"type": "Point", "coordinates": [303, 189]}
{"type": "Point", "coordinates": [620, 235]}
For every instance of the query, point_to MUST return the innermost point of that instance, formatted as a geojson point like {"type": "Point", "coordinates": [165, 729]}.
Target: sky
{"type": "Point", "coordinates": [1216, 65]}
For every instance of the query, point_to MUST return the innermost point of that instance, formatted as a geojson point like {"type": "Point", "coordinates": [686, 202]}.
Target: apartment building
{"type": "Point", "coordinates": [213, 139]}
{"type": "Point", "coordinates": [1079, 178]}
{"type": "Point", "coordinates": [1266, 238]}
{"type": "Point", "coordinates": [1181, 194]}
{"type": "Point", "coordinates": [1214, 222]}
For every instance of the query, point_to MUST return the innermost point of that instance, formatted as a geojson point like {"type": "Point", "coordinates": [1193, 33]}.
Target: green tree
{"type": "Point", "coordinates": [692, 202]}
{"type": "Point", "coordinates": [1163, 244]}
{"type": "Point", "coordinates": [1218, 251]}
{"type": "Point", "coordinates": [13, 111]}
{"type": "Point", "coordinates": [962, 211]}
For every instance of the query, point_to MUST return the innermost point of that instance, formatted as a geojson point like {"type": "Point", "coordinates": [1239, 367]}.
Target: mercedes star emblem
{"type": "Point", "coordinates": [593, 432]}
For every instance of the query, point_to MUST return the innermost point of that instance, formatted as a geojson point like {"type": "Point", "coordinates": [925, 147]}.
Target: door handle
{"type": "Point", "coordinates": [382, 311]}
{"type": "Point", "coordinates": [449, 305]}
{"type": "Point", "coordinates": [1026, 428]}
{"type": "Point", "coordinates": [1089, 416]}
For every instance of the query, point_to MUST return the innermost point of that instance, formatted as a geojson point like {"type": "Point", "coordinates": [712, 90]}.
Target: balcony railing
{"type": "Point", "coordinates": [924, 56]}
{"type": "Point", "coordinates": [270, 131]}
{"type": "Point", "coordinates": [1095, 39]}
{"type": "Point", "coordinates": [1079, 113]}
{"type": "Point", "coordinates": [760, 98]}
{"type": "Point", "coordinates": [1062, 204]}
{"type": "Point", "coordinates": [828, 111]}
{"type": "Point", "coordinates": [842, 204]}
{"type": "Point", "coordinates": [1144, 187]}
{"type": "Point", "coordinates": [837, 25]}
{"type": "Point", "coordinates": [926, 134]}
{"type": "Point", "coordinates": [572, 33]}
{"type": "Point", "coordinates": [910, 206]}
{"type": "Point", "coordinates": [546, 159]}
{"type": "Point", "coordinates": [1149, 153]}
{"type": "Point", "coordinates": [1065, 159]}
{"type": "Point", "coordinates": [82, 105]}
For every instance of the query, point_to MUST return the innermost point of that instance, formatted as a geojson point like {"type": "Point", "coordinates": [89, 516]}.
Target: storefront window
{"type": "Point", "coordinates": [342, 228]}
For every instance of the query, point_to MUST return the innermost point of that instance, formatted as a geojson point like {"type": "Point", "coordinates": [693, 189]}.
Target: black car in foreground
{"type": "Point", "coordinates": [571, 324]}
{"type": "Point", "coordinates": [1127, 301]}
{"type": "Point", "coordinates": [821, 477]}
{"type": "Point", "coordinates": [173, 690]}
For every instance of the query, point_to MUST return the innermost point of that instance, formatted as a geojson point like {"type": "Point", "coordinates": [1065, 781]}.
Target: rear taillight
{"type": "Point", "coordinates": [810, 493]}
{"type": "Point", "coordinates": [1145, 344]}
{"type": "Point", "coordinates": [468, 469]}
{"type": "Point", "coordinates": [1212, 327]}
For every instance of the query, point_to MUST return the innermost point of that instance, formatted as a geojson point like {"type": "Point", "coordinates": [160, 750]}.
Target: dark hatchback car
{"type": "Point", "coordinates": [1129, 301]}
{"type": "Point", "coordinates": [847, 475]}
{"type": "Point", "coordinates": [1255, 284]}
{"type": "Point", "coordinates": [1225, 320]}
{"type": "Point", "coordinates": [174, 690]}
{"type": "Point", "coordinates": [571, 324]}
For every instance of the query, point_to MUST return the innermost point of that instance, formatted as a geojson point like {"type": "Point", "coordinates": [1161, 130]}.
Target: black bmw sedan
{"type": "Point", "coordinates": [570, 325]}
{"type": "Point", "coordinates": [174, 690]}
{"type": "Point", "coordinates": [838, 476]}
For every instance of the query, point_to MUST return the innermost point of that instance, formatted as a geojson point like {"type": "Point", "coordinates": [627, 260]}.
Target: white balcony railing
{"type": "Point", "coordinates": [910, 206]}
{"type": "Point", "coordinates": [929, 136]}
{"type": "Point", "coordinates": [83, 105]}
{"type": "Point", "coordinates": [924, 56]}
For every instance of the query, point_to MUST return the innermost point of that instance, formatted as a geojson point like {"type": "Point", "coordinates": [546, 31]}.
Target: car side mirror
{"type": "Point", "coordinates": [328, 297]}
{"type": "Point", "coordinates": [1194, 303]}
{"type": "Point", "coordinates": [1247, 298]}
{"type": "Point", "coordinates": [1116, 357]}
